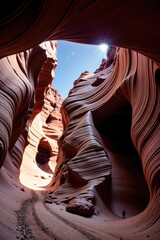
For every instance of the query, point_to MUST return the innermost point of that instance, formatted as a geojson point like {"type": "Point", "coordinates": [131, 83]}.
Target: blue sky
{"type": "Point", "coordinates": [73, 59]}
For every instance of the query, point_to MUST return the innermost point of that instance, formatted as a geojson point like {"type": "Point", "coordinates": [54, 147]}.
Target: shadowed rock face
{"type": "Point", "coordinates": [106, 130]}
{"type": "Point", "coordinates": [108, 158]}
{"type": "Point", "coordinates": [120, 23]}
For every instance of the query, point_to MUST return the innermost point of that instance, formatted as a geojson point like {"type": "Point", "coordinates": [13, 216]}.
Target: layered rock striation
{"type": "Point", "coordinates": [110, 143]}
{"type": "Point", "coordinates": [27, 23]}
{"type": "Point", "coordinates": [30, 124]}
{"type": "Point", "coordinates": [26, 92]}
{"type": "Point", "coordinates": [108, 154]}
{"type": "Point", "coordinates": [45, 125]}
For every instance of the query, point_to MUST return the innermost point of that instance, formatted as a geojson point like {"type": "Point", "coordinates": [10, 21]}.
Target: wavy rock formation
{"type": "Point", "coordinates": [119, 23]}
{"type": "Point", "coordinates": [39, 157]}
{"type": "Point", "coordinates": [108, 163]}
{"type": "Point", "coordinates": [30, 124]}
{"type": "Point", "coordinates": [45, 126]}
{"type": "Point", "coordinates": [107, 142]}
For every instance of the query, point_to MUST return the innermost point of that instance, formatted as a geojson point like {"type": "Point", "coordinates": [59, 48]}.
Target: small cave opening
{"type": "Point", "coordinates": [43, 158]}
{"type": "Point", "coordinates": [127, 190]}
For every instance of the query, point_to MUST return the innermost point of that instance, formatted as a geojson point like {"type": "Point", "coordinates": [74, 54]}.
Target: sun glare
{"type": "Point", "coordinates": [103, 47]}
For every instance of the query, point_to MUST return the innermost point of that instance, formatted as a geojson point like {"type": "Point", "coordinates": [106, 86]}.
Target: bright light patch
{"type": "Point", "coordinates": [103, 47]}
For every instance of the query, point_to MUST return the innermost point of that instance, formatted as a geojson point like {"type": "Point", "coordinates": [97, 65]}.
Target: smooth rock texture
{"type": "Point", "coordinates": [80, 206]}
{"type": "Point", "coordinates": [107, 159]}
{"type": "Point", "coordinates": [30, 123]}
{"type": "Point", "coordinates": [45, 127]}
{"type": "Point", "coordinates": [120, 23]}
{"type": "Point", "coordinates": [107, 142]}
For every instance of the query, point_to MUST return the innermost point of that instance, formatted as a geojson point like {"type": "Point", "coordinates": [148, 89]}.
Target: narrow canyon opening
{"type": "Point", "coordinates": [37, 171]}
{"type": "Point", "coordinates": [86, 164]}
{"type": "Point", "coordinates": [127, 189]}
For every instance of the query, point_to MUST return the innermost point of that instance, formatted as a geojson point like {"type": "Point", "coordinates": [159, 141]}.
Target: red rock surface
{"type": "Point", "coordinates": [106, 126]}
{"type": "Point", "coordinates": [30, 125]}
{"type": "Point", "coordinates": [120, 23]}
{"type": "Point", "coordinates": [45, 127]}
{"type": "Point", "coordinates": [109, 156]}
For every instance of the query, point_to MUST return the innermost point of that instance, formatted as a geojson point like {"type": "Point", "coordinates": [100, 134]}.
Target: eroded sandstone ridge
{"type": "Point", "coordinates": [30, 123]}
{"type": "Point", "coordinates": [45, 126]}
{"type": "Point", "coordinates": [108, 164]}
{"type": "Point", "coordinates": [106, 143]}
{"type": "Point", "coordinates": [26, 94]}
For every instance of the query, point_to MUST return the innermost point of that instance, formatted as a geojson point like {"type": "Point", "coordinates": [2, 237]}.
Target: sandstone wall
{"type": "Point", "coordinates": [109, 150]}
{"type": "Point", "coordinates": [111, 138]}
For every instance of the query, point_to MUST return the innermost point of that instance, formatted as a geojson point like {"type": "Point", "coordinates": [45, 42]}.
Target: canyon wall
{"type": "Point", "coordinates": [27, 23]}
{"type": "Point", "coordinates": [26, 92]}
{"type": "Point", "coordinates": [111, 140]}
{"type": "Point", "coordinates": [108, 159]}
{"type": "Point", "coordinates": [30, 124]}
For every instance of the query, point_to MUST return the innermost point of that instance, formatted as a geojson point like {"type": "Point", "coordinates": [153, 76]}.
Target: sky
{"type": "Point", "coordinates": [73, 59]}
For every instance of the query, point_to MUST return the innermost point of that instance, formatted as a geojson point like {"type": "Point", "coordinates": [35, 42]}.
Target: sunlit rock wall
{"type": "Point", "coordinates": [128, 91]}
{"type": "Point", "coordinates": [111, 140]}
{"type": "Point", "coordinates": [30, 108]}
{"type": "Point", "coordinates": [39, 158]}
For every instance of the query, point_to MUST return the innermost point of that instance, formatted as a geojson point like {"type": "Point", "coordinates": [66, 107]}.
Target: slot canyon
{"type": "Point", "coordinates": [88, 166]}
